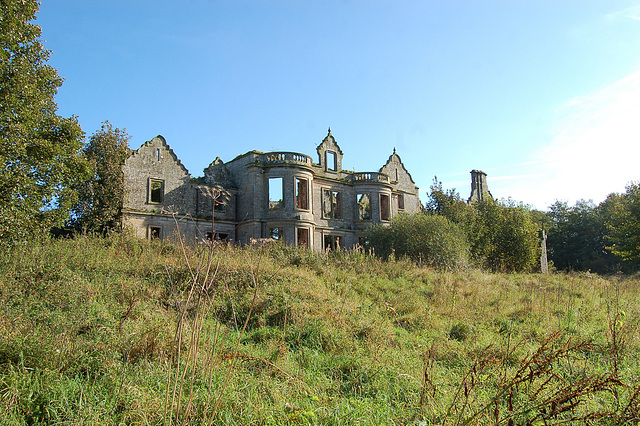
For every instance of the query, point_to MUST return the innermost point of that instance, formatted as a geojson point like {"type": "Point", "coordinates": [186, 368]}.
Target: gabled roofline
{"type": "Point", "coordinates": [401, 163]}
{"type": "Point", "coordinates": [164, 143]}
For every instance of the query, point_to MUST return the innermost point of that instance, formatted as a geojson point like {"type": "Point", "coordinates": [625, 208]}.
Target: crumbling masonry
{"type": "Point", "coordinates": [279, 195]}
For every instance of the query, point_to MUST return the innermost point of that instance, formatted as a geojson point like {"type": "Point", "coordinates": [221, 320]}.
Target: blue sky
{"type": "Point", "coordinates": [544, 96]}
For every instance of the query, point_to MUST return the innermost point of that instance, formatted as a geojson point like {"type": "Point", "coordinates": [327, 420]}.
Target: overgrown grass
{"type": "Point", "coordinates": [119, 330]}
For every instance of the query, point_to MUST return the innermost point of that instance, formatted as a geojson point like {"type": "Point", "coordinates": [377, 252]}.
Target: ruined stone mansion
{"type": "Point", "coordinates": [280, 195]}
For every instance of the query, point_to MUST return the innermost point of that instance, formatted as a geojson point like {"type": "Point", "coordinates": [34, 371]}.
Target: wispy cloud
{"type": "Point", "coordinates": [595, 147]}
{"type": "Point", "coordinates": [629, 13]}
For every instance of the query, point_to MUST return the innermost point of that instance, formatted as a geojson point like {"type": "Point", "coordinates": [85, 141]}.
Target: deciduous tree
{"type": "Point", "coordinates": [101, 197]}
{"type": "Point", "coordinates": [624, 224]}
{"type": "Point", "coordinates": [577, 237]}
{"type": "Point", "coordinates": [40, 152]}
{"type": "Point", "coordinates": [432, 240]}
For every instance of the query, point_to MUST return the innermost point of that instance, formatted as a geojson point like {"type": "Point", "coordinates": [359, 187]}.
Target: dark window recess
{"type": "Point", "coordinates": [218, 236]}
{"type": "Point", "coordinates": [384, 207]}
{"type": "Point", "coordinates": [276, 233]}
{"type": "Point", "coordinates": [156, 191]}
{"type": "Point", "coordinates": [331, 205]}
{"type": "Point", "coordinates": [302, 194]}
{"type": "Point", "coordinates": [155, 233]}
{"type": "Point", "coordinates": [400, 202]}
{"type": "Point", "coordinates": [364, 206]}
{"type": "Point", "coordinates": [303, 237]}
{"type": "Point", "coordinates": [332, 242]}
{"type": "Point", "coordinates": [219, 206]}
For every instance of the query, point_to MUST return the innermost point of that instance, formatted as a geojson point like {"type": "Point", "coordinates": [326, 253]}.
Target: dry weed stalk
{"type": "Point", "coordinates": [190, 321]}
{"type": "Point", "coordinates": [538, 391]}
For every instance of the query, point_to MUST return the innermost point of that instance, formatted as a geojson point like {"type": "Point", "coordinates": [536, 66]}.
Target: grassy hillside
{"type": "Point", "coordinates": [121, 330]}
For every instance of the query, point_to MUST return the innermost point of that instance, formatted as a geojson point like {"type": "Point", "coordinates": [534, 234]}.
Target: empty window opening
{"type": "Point", "coordinates": [332, 242]}
{"type": "Point", "coordinates": [275, 193]}
{"type": "Point", "coordinates": [156, 191]}
{"type": "Point", "coordinates": [302, 194]}
{"type": "Point", "coordinates": [276, 234]}
{"type": "Point", "coordinates": [303, 237]}
{"type": "Point", "coordinates": [331, 204]}
{"type": "Point", "coordinates": [364, 206]}
{"type": "Point", "coordinates": [384, 207]}
{"type": "Point", "coordinates": [400, 202]}
{"type": "Point", "coordinates": [396, 175]}
{"type": "Point", "coordinates": [155, 232]}
{"type": "Point", "coordinates": [217, 236]}
{"type": "Point", "coordinates": [158, 154]}
{"type": "Point", "coordinates": [332, 163]}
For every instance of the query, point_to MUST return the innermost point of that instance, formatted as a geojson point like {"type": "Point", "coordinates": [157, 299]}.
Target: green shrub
{"type": "Point", "coordinates": [427, 239]}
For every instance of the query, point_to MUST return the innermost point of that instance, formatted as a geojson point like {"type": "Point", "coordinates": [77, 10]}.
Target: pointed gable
{"type": "Point", "coordinates": [329, 154]}
{"type": "Point", "coordinates": [398, 174]}
{"type": "Point", "coordinates": [162, 151]}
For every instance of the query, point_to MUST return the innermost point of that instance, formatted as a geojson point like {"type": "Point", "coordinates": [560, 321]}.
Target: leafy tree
{"type": "Point", "coordinates": [578, 237]}
{"type": "Point", "coordinates": [102, 196]}
{"type": "Point", "coordinates": [624, 223]}
{"type": "Point", "coordinates": [428, 239]}
{"type": "Point", "coordinates": [40, 152]}
{"type": "Point", "coordinates": [449, 203]}
{"type": "Point", "coordinates": [504, 236]}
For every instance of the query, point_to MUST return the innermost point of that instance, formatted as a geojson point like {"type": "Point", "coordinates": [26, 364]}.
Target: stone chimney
{"type": "Point", "coordinates": [479, 188]}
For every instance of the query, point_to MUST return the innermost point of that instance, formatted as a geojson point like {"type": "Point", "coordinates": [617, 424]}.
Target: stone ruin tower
{"type": "Point", "coordinates": [479, 187]}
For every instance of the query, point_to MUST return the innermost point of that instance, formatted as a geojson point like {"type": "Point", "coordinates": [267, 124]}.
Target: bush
{"type": "Point", "coordinates": [427, 239]}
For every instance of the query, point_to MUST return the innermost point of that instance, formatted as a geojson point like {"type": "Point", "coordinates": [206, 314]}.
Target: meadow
{"type": "Point", "coordinates": [124, 331]}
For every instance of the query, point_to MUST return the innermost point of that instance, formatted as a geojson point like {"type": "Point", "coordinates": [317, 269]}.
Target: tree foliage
{"type": "Point", "coordinates": [578, 237]}
{"type": "Point", "coordinates": [502, 235]}
{"type": "Point", "coordinates": [427, 239]}
{"type": "Point", "coordinates": [100, 198]}
{"type": "Point", "coordinates": [449, 203]}
{"type": "Point", "coordinates": [624, 223]}
{"type": "Point", "coordinates": [40, 152]}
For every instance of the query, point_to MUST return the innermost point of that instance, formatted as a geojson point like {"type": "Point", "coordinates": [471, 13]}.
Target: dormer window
{"type": "Point", "coordinates": [329, 154]}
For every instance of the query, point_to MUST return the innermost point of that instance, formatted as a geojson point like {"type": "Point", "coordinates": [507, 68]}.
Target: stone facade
{"type": "Point", "coordinates": [279, 195]}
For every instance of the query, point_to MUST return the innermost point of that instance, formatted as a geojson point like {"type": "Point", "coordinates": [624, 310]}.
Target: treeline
{"type": "Point", "coordinates": [603, 238]}
{"type": "Point", "coordinates": [505, 236]}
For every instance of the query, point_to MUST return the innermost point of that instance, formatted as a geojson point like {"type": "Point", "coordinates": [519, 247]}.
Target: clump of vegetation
{"type": "Point", "coordinates": [501, 235]}
{"type": "Point", "coordinates": [119, 330]}
{"type": "Point", "coordinates": [429, 240]}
